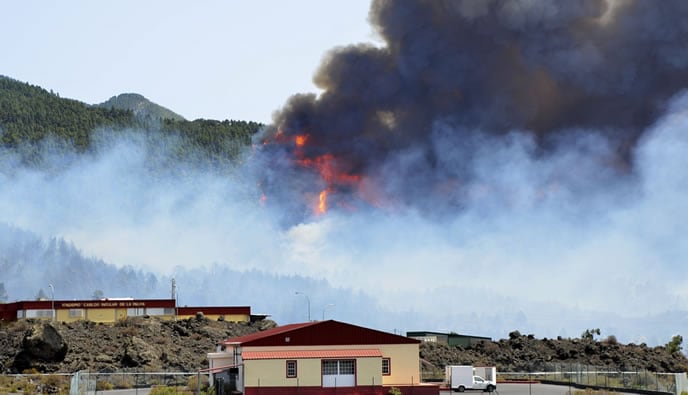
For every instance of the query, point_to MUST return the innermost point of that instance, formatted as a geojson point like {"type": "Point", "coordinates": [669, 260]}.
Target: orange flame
{"type": "Point", "coordinates": [300, 140]}
{"type": "Point", "coordinates": [335, 173]}
{"type": "Point", "coordinates": [322, 202]}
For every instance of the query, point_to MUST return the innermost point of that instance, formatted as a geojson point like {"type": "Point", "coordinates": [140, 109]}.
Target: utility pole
{"type": "Point", "coordinates": [52, 301]}
{"type": "Point", "coordinates": [324, 308]}
{"type": "Point", "coordinates": [309, 303]}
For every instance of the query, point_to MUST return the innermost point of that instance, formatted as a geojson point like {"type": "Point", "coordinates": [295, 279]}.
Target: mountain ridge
{"type": "Point", "coordinates": [140, 106]}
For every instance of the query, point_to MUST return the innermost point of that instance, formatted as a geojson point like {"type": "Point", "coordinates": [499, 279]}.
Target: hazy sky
{"type": "Point", "coordinates": [212, 59]}
{"type": "Point", "coordinates": [550, 237]}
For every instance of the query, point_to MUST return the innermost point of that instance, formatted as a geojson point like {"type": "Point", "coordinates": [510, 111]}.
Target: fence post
{"type": "Point", "coordinates": [623, 381]}
{"type": "Point", "coordinates": [606, 379]}
{"type": "Point", "coordinates": [530, 384]}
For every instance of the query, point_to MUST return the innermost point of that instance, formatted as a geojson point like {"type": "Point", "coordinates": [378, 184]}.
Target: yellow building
{"type": "Point", "coordinates": [111, 310]}
{"type": "Point", "coordinates": [320, 357]}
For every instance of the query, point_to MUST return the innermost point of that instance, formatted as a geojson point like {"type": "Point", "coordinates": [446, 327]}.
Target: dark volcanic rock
{"type": "Point", "coordinates": [521, 353]}
{"type": "Point", "coordinates": [138, 353]}
{"type": "Point", "coordinates": [134, 343]}
{"type": "Point", "coordinates": [151, 344]}
{"type": "Point", "coordinates": [45, 343]}
{"type": "Point", "coordinates": [41, 346]}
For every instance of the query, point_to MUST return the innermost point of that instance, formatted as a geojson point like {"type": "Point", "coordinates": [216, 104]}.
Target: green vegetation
{"type": "Point", "coordinates": [170, 390]}
{"type": "Point", "coordinates": [104, 386]}
{"type": "Point", "coordinates": [589, 334]}
{"type": "Point", "coordinates": [29, 114]}
{"type": "Point", "coordinates": [141, 106]}
{"type": "Point", "coordinates": [675, 344]}
{"type": "Point", "coordinates": [33, 120]}
{"type": "Point", "coordinates": [34, 383]}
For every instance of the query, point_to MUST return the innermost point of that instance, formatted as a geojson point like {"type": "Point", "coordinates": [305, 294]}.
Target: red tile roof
{"type": "Point", "coordinates": [318, 333]}
{"type": "Point", "coordinates": [267, 333]}
{"type": "Point", "coordinates": [301, 354]}
{"type": "Point", "coordinates": [246, 310]}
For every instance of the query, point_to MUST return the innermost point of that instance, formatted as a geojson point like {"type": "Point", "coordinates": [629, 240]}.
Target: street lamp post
{"type": "Point", "coordinates": [309, 303]}
{"type": "Point", "coordinates": [326, 306]}
{"type": "Point", "coordinates": [52, 301]}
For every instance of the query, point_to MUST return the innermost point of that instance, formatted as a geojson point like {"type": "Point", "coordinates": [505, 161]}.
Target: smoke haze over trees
{"type": "Point", "coordinates": [491, 165]}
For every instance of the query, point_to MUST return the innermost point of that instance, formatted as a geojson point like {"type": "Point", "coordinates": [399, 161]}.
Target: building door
{"type": "Point", "coordinates": [339, 373]}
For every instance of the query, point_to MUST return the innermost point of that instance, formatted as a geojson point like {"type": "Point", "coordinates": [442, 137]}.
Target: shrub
{"type": "Point", "coordinates": [394, 391]}
{"type": "Point", "coordinates": [589, 334]}
{"type": "Point", "coordinates": [5, 381]}
{"type": "Point", "coordinates": [123, 381]}
{"type": "Point", "coordinates": [675, 344]}
{"type": "Point", "coordinates": [104, 386]}
{"type": "Point", "coordinates": [192, 383]}
{"type": "Point", "coordinates": [168, 391]}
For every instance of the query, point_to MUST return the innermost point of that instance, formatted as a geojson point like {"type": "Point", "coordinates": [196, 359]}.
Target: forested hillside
{"type": "Point", "coordinates": [30, 116]}
{"type": "Point", "coordinates": [29, 263]}
{"type": "Point", "coordinates": [141, 106]}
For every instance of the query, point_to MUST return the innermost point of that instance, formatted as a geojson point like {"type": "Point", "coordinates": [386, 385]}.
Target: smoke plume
{"type": "Point", "coordinates": [454, 75]}
{"type": "Point", "coordinates": [489, 166]}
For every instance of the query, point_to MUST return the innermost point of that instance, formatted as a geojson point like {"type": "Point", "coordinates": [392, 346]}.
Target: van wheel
{"type": "Point", "coordinates": [490, 388]}
{"type": "Point", "coordinates": [461, 389]}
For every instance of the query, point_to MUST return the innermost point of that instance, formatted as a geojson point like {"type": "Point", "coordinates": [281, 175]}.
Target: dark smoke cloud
{"type": "Point", "coordinates": [471, 68]}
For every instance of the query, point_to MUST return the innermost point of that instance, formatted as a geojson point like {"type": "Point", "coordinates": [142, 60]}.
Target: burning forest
{"type": "Point", "coordinates": [400, 124]}
{"type": "Point", "coordinates": [485, 165]}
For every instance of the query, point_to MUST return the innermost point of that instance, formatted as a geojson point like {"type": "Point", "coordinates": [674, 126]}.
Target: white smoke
{"type": "Point", "coordinates": [550, 244]}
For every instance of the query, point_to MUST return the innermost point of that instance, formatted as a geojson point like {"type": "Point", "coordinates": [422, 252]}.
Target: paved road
{"type": "Point", "coordinates": [504, 389]}
{"type": "Point", "coordinates": [526, 389]}
{"type": "Point", "coordinates": [141, 391]}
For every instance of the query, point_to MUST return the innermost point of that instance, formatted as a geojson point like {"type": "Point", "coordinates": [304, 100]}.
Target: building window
{"type": "Point", "coordinates": [76, 312]}
{"type": "Point", "coordinates": [386, 366]}
{"type": "Point", "coordinates": [334, 367]}
{"type": "Point", "coordinates": [39, 313]}
{"type": "Point", "coordinates": [347, 367]}
{"type": "Point", "coordinates": [330, 367]}
{"type": "Point", "coordinates": [135, 312]}
{"type": "Point", "coordinates": [291, 369]}
{"type": "Point", "coordinates": [339, 373]}
{"type": "Point", "coordinates": [155, 311]}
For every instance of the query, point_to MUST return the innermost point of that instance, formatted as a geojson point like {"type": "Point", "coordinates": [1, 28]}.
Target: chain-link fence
{"type": "Point", "coordinates": [602, 377]}
{"type": "Point", "coordinates": [35, 383]}
{"type": "Point", "coordinates": [582, 375]}
{"type": "Point", "coordinates": [140, 383]}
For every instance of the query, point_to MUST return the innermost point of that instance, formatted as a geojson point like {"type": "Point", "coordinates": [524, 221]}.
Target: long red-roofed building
{"type": "Point", "coordinates": [109, 310]}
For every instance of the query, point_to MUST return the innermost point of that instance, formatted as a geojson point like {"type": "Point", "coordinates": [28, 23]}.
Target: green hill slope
{"type": "Point", "coordinates": [31, 115]}
{"type": "Point", "coordinates": [141, 106]}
